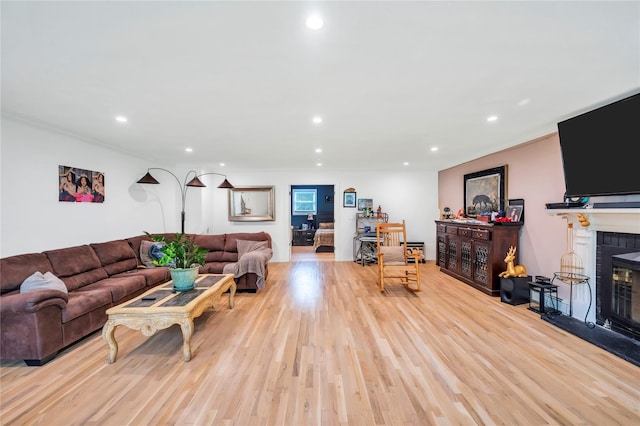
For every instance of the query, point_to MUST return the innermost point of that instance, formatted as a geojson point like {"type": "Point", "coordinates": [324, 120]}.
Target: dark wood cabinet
{"type": "Point", "coordinates": [474, 253]}
{"type": "Point", "coordinates": [303, 237]}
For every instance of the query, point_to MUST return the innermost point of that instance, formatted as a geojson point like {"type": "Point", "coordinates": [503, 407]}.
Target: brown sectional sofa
{"type": "Point", "coordinates": [35, 325]}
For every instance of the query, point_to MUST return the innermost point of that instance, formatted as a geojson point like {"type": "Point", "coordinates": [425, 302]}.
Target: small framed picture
{"type": "Point", "coordinates": [365, 203]}
{"type": "Point", "coordinates": [349, 199]}
{"type": "Point", "coordinates": [515, 213]}
{"type": "Point", "coordinates": [515, 210]}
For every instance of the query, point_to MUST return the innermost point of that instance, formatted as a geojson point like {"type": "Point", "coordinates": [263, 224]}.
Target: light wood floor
{"type": "Point", "coordinates": [300, 253]}
{"type": "Point", "coordinates": [320, 345]}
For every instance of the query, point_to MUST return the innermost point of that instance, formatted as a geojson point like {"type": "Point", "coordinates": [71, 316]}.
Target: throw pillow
{"type": "Point", "coordinates": [245, 246]}
{"type": "Point", "coordinates": [144, 254]}
{"type": "Point", "coordinates": [325, 225]}
{"type": "Point", "coordinates": [40, 281]}
{"type": "Point", "coordinates": [150, 251]}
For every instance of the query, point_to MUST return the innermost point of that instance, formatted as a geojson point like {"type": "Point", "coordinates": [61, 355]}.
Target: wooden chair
{"type": "Point", "coordinates": [394, 255]}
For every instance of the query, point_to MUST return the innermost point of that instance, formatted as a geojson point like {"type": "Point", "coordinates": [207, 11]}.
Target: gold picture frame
{"type": "Point", "coordinates": [252, 204]}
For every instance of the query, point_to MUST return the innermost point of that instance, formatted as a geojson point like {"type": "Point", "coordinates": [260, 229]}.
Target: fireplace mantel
{"type": "Point", "coordinates": [625, 221]}
{"type": "Point", "coordinates": [605, 220]}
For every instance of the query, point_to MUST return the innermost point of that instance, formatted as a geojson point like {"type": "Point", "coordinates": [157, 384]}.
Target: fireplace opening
{"type": "Point", "coordinates": [625, 295]}
{"type": "Point", "coordinates": [618, 283]}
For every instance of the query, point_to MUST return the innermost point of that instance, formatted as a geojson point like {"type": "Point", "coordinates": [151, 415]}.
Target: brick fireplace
{"type": "Point", "coordinates": [608, 299]}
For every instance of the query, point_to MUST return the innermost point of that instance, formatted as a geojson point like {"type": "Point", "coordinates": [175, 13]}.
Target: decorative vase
{"type": "Point", "coordinates": [184, 279]}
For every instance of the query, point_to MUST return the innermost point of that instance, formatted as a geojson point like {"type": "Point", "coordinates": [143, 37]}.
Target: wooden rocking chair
{"type": "Point", "coordinates": [394, 255]}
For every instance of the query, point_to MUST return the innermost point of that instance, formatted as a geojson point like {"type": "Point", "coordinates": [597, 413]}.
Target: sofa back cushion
{"type": "Point", "coordinates": [15, 269]}
{"type": "Point", "coordinates": [115, 256]}
{"type": "Point", "coordinates": [134, 243]}
{"type": "Point", "coordinates": [214, 244]}
{"type": "Point", "coordinates": [76, 266]}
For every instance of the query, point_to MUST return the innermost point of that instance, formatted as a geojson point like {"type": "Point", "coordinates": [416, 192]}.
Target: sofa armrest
{"type": "Point", "coordinates": [33, 301]}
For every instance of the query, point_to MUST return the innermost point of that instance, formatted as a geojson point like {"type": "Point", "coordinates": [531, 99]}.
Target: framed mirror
{"type": "Point", "coordinates": [252, 204]}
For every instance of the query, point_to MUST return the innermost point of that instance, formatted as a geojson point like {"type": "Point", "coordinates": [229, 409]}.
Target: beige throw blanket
{"type": "Point", "coordinates": [253, 262]}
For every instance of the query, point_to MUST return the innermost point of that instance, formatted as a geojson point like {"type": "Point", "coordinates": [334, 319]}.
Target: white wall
{"type": "Point", "coordinates": [405, 195]}
{"type": "Point", "coordinates": [32, 218]}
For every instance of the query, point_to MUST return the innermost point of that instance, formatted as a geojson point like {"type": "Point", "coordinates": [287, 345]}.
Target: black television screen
{"type": "Point", "coordinates": [599, 150]}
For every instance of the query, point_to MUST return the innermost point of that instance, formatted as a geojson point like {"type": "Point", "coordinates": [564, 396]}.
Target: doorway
{"type": "Point", "coordinates": [312, 222]}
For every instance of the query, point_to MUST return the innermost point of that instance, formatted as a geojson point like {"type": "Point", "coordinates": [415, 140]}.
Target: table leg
{"type": "Point", "coordinates": [108, 332]}
{"type": "Point", "coordinates": [187, 331]}
{"type": "Point", "coordinates": [232, 292]}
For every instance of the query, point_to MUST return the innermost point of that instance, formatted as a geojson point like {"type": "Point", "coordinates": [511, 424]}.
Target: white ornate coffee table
{"type": "Point", "coordinates": [161, 307]}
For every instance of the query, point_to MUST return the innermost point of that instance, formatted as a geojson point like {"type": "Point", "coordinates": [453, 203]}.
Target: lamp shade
{"type": "Point", "coordinates": [196, 182]}
{"type": "Point", "coordinates": [310, 216]}
{"type": "Point", "coordinates": [148, 179]}
{"type": "Point", "coordinates": [225, 184]}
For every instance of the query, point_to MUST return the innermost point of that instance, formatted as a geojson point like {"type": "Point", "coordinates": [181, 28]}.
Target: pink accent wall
{"type": "Point", "coordinates": [535, 174]}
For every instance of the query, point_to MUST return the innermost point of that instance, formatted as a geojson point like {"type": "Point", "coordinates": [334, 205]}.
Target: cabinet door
{"type": "Point", "coordinates": [481, 263]}
{"type": "Point", "coordinates": [466, 257]}
{"type": "Point", "coordinates": [453, 253]}
{"type": "Point", "coordinates": [442, 250]}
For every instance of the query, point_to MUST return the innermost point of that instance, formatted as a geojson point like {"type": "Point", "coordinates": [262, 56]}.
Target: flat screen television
{"type": "Point", "coordinates": [598, 150]}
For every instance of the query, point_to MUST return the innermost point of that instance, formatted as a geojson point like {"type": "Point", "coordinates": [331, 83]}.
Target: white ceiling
{"type": "Point", "coordinates": [239, 82]}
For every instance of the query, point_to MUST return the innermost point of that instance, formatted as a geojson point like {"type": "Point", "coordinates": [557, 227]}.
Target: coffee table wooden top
{"type": "Point", "coordinates": [161, 307]}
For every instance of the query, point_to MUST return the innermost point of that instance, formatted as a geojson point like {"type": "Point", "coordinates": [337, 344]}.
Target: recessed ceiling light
{"type": "Point", "coordinates": [434, 148]}
{"type": "Point", "coordinates": [406, 163]}
{"type": "Point", "coordinates": [318, 164]}
{"type": "Point", "coordinates": [492, 118]}
{"type": "Point", "coordinates": [318, 150]}
{"type": "Point", "coordinates": [317, 119]}
{"type": "Point", "coordinates": [121, 119]}
{"type": "Point", "coordinates": [315, 22]}
{"type": "Point", "coordinates": [222, 164]}
{"type": "Point", "coordinates": [189, 149]}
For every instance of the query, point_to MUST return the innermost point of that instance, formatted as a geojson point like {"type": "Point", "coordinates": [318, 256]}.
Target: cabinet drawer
{"type": "Point", "coordinates": [465, 232]}
{"type": "Point", "coordinates": [442, 228]}
{"type": "Point", "coordinates": [481, 235]}
{"type": "Point", "coordinates": [452, 230]}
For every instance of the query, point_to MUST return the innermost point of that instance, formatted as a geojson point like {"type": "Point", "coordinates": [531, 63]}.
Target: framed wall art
{"type": "Point", "coordinates": [485, 191]}
{"type": "Point", "coordinates": [80, 185]}
{"type": "Point", "coordinates": [365, 203]}
{"type": "Point", "coordinates": [349, 199]}
{"type": "Point", "coordinates": [515, 210]}
{"type": "Point", "coordinates": [252, 204]}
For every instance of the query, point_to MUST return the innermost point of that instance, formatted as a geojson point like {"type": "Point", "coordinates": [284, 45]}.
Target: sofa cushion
{"type": "Point", "coordinates": [153, 276]}
{"type": "Point", "coordinates": [120, 287]}
{"type": "Point", "coordinates": [115, 256]}
{"type": "Point", "coordinates": [76, 266]}
{"type": "Point", "coordinates": [74, 282]}
{"type": "Point", "coordinates": [214, 244]}
{"type": "Point", "coordinates": [40, 281]}
{"type": "Point", "coordinates": [213, 268]}
{"type": "Point", "coordinates": [83, 302]}
{"type": "Point", "coordinates": [134, 243]}
{"type": "Point", "coordinates": [15, 269]}
{"type": "Point", "coordinates": [73, 260]}
{"type": "Point", "coordinates": [209, 242]}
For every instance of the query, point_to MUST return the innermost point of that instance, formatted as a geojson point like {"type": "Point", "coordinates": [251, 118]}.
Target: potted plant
{"type": "Point", "coordinates": [182, 257]}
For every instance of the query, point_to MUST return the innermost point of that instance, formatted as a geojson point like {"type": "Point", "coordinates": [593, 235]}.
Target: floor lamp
{"type": "Point", "coordinates": [194, 182]}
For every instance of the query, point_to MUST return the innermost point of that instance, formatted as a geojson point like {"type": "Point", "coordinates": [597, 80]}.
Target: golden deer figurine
{"type": "Point", "coordinates": [513, 270]}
